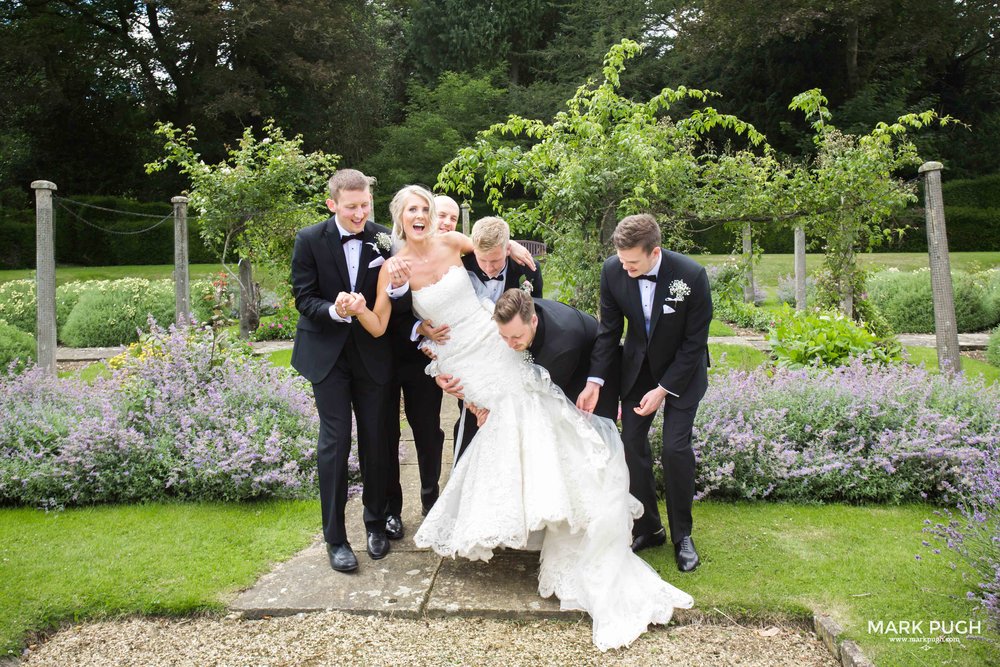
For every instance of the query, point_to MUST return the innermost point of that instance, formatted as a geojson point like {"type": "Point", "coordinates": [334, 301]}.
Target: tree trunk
{"type": "Point", "coordinates": [853, 82]}
{"type": "Point", "coordinates": [249, 300]}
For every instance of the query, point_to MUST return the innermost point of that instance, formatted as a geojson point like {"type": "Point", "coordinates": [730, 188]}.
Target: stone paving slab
{"type": "Point", "coordinates": [397, 584]}
{"type": "Point", "coordinates": [505, 587]}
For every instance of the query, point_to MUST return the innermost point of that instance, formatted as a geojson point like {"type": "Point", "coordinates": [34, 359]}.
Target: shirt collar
{"type": "Point", "coordinates": [343, 232]}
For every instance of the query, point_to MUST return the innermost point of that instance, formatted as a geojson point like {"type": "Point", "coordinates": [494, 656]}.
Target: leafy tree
{"type": "Point", "coordinates": [251, 203]}
{"type": "Point", "coordinates": [439, 121]}
{"type": "Point", "coordinates": [606, 156]}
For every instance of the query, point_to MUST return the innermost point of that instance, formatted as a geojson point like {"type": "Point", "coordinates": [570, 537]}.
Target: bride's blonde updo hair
{"type": "Point", "coordinates": [396, 210]}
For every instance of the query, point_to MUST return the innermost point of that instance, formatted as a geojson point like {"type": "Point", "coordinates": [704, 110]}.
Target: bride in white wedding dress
{"type": "Point", "coordinates": [538, 470]}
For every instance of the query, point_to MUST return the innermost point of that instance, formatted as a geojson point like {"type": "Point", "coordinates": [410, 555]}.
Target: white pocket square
{"type": "Point", "coordinates": [667, 309]}
{"type": "Point", "coordinates": [378, 261]}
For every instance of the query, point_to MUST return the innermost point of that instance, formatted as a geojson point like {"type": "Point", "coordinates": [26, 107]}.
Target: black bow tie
{"type": "Point", "coordinates": [352, 237]}
{"type": "Point", "coordinates": [486, 278]}
{"type": "Point", "coordinates": [651, 278]}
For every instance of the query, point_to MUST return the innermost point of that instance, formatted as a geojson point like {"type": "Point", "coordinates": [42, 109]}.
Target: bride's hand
{"type": "Point", "coordinates": [399, 271]}
{"type": "Point", "coordinates": [520, 254]}
{"type": "Point", "coordinates": [439, 334]}
{"type": "Point", "coordinates": [356, 305]}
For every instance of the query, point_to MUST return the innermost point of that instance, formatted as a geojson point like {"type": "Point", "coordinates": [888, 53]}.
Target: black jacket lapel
{"type": "Point", "coordinates": [332, 235]}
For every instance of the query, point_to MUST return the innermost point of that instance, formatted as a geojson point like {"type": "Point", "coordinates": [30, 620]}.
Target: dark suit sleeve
{"type": "Point", "coordinates": [691, 353]}
{"type": "Point", "coordinates": [305, 283]}
{"type": "Point", "coordinates": [536, 281]}
{"type": "Point", "coordinates": [609, 331]}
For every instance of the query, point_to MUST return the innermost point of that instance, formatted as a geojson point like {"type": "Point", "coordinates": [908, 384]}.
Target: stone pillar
{"type": "Point", "coordinates": [945, 325]}
{"type": "Point", "coordinates": [748, 292]}
{"type": "Point", "coordinates": [800, 268]}
{"type": "Point", "coordinates": [249, 303]}
{"type": "Point", "coordinates": [182, 283]}
{"type": "Point", "coordinates": [465, 217]}
{"type": "Point", "coordinates": [45, 276]}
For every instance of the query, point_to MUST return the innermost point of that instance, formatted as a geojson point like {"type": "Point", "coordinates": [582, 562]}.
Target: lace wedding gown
{"type": "Point", "coordinates": [539, 469]}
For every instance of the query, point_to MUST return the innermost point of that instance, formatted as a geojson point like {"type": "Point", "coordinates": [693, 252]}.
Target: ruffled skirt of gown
{"type": "Point", "coordinates": [539, 470]}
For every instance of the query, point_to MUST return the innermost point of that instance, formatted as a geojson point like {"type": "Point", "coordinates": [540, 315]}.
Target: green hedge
{"type": "Point", "coordinates": [79, 243]}
{"type": "Point", "coordinates": [15, 344]}
{"type": "Point", "coordinates": [113, 312]}
{"type": "Point", "coordinates": [982, 192]}
{"type": "Point", "coordinates": [906, 300]}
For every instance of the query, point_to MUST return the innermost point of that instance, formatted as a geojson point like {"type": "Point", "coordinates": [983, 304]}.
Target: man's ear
{"type": "Point", "coordinates": [534, 320]}
{"type": "Point", "coordinates": [332, 205]}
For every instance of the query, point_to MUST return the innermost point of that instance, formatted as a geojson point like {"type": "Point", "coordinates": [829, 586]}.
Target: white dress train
{"type": "Point", "coordinates": [539, 469]}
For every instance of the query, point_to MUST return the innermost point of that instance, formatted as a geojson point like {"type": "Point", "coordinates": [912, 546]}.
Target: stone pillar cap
{"type": "Point", "coordinates": [43, 185]}
{"type": "Point", "coordinates": [930, 166]}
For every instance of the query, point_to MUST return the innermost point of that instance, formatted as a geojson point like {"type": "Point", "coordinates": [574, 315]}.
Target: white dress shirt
{"type": "Point", "coordinates": [352, 253]}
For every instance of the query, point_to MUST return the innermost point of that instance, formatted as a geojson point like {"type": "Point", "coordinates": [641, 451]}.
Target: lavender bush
{"type": "Point", "coordinates": [185, 414]}
{"type": "Point", "coordinates": [858, 433]}
{"type": "Point", "coordinates": [973, 529]}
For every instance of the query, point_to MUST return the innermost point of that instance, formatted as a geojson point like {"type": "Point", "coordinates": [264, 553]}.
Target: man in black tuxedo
{"type": "Point", "coordinates": [559, 338]}
{"type": "Point", "coordinates": [666, 299]}
{"type": "Point", "coordinates": [332, 261]}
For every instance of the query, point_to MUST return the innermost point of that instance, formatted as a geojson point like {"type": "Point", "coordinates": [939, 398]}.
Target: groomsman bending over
{"type": "Point", "coordinates": [559, 338]}
{"type": "Point", "coordinates": [346, 366]}
{"type": "Point", "coordinates": [666, 299]}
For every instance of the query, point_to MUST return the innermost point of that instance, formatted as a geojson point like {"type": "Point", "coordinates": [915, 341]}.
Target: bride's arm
{"type": "Point", "coordinates": [375, 319]}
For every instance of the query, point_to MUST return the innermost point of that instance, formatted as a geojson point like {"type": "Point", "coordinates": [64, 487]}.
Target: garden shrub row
{"type": "Point", "coordinates": [187, 414]}
{"type": "Point", "coordinates": [905, 299]}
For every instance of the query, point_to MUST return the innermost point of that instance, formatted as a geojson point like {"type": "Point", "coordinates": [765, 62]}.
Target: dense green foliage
{"type": "Point", "coordinates": [15, 344]}
{"type": "Point", "coordinates": [114, 313]}
{"type": "Point", "coordinates": [906, 300]}
{"type": "Point", "coordinates": [802, 338]}
{"type": "Point", "coordinates": [993, 348]}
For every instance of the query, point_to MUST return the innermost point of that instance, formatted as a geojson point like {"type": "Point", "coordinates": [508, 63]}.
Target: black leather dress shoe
{"type": "Point", "coordinates": [687, 557]}
{"type": "Point", "coordinates": [394, 527]}
{"type": "Point", "coordinates": [378, 545]}
{"type": "Point", "coordinates": [342, 558]}
{"type": "Point", "coordinates": [649, 540]}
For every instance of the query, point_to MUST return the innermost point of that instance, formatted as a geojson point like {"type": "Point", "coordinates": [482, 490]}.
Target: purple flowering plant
{"type": "Point", "coordinates": [857, 433]}
{"type": "Point", "coordinates": [186, 414]}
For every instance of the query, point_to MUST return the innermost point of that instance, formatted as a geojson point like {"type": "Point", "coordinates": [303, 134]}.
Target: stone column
{"type": "Point", "coordinates": [465, 217]}
{"type": "Point", "coordinates": [182, 284]}
{"type": "Point", "coordinates": [945, 325]}
{"type": "Point", "coordinates": [748, 292]}
{"type": "Point", "coordinates": [45, 276]}
{"type": "Point", "coordinates": [800, 268]}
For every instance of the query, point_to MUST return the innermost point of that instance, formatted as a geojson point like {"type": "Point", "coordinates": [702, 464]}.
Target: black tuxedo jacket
{"type": "Point", "coordinates": [563, 343]}
{"type": "Point", "coordinates": [319, 273]}
{"type": "Point", "coordinates": [514, 275]}
{"type": "Point", "coordinates": [676, 348]}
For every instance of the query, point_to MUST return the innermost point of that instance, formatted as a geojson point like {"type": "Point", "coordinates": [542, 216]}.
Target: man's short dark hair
{"type": "Point", "coordinates": [637, 231]}
{"type": "Point", "coordinates": [514, 302]}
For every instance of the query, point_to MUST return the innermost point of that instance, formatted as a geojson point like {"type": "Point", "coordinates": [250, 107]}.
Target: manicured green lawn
{"type": "Point", "coordinates": [856, 564]}
{"type": "Point", "coordinates": [734, 357]}
{"type": "Point", "coordinates": [760, 560]}
{"type": "Point", "coordinates": [159, 558]}
{"type": "Point", "coordinates": [971, 367]}
{"type": "Point", "coordinates": [720, 328]}
{"type": "Point", "coordinates": [68, 274]}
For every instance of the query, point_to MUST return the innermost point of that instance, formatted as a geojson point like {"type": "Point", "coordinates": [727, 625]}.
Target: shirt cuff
{"type": "Point", "coordinates": [338, 318]}
{"type": "Point", "coordinates": [668, 391]}
{"type": "Point", "coordinates": [397, 292]}
{"type": "Point", "coordinates": [598, 381]}
{"type": "Point", "coordinates": [414, 336]}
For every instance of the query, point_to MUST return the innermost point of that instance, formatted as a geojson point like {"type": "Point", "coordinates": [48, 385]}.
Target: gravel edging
{"type": "Point", "coordinates": [333, 638]}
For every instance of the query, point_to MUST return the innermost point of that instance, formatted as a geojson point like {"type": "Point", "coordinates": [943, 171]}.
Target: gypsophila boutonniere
{"type": "Point", "coordinates": [383, 242]}
{"type": "Point", "coordinates": [527, 286]}
{"type": "Point", "coordinates": [678, 290]}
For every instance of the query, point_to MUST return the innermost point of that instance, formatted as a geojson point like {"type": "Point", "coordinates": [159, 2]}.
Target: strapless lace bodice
{"type": "Point", "coordinates": [475, 352]}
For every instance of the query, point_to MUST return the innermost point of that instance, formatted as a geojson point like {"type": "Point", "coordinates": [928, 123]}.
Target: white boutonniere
{"type": "Point", "coordinates": [678, 290]}
{"type": "Point", "coordinates": [382, 243]}
{"type": "Point", "coordinates": [527, 286]}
